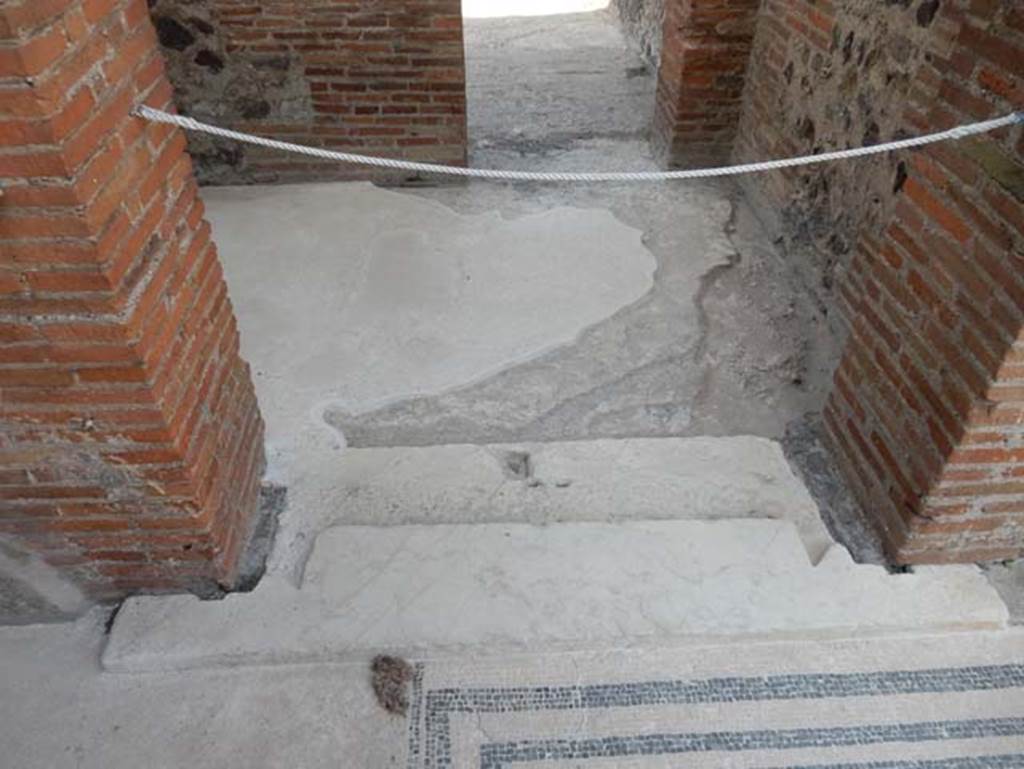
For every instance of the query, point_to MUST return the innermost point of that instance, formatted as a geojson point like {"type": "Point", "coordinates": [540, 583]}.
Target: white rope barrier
{"type": "Point", "coordinates": [190, 124]}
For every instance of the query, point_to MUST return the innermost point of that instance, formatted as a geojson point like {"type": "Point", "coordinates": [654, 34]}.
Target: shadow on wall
{"type": "Point", "coordinates": [642, 22]}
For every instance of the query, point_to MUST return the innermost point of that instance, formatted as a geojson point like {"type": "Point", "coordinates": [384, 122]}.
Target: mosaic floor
{"type": "Point", "coordinates": [875, 704]}
{"type": "Point", "coordinates": [923, 701]}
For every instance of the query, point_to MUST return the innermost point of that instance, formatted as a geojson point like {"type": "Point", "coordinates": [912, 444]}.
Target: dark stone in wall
{"type": "Point", "coordinates": [901, 177]}
{"type": "Point", "coordinates": [209, 59]}
{"type": "Point", "coordinates": [220, 86]}
{"type": "Point", "coordinates": [173, 34]}
{"type": "Point", "coordinates": [926, 12]}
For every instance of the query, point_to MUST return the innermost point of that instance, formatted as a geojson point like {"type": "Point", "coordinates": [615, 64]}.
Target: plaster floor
{"type": "Point", "coordinates": [352, 297]}
{"type": "Point", "coordinates": [505, 314]}
{"type": "Point", "coordinates": [535, 313]}
{"type": "Point", "coordinates": [723, 344]}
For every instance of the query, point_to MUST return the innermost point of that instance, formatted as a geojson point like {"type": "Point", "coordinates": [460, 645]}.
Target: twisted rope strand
{"type": "Point", "coordinates": [959, 132]}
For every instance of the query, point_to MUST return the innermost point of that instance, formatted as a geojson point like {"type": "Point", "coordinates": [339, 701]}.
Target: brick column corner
{"type": "Point", "coordinates": [130, 441]}
{"type": "Point", "coordinates": [705, 50]}
{"type": "Point", "coordinates": [927, 414]}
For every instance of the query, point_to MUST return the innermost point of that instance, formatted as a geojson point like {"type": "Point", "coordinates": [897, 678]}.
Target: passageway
{"type": "Point", "coordinates": [542, 82]}
{"type": "Point", "coordinates": [550, 449]}
{"type": "Point", "coordinates": [485, 313]}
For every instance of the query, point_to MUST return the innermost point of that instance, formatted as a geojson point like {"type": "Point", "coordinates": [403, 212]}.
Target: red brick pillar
{"type": "Point", "coordinates": [704, 54]}
{"type": "Point", "coordinates": [130, 441]}
{"type": "Point", "coordinates": [927, 415]}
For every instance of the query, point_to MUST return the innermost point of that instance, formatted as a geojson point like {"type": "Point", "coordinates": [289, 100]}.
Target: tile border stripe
{"type": "Point", "coordinates": [502, 755]}
{"type": "Point", "coordinates": [435, 742]}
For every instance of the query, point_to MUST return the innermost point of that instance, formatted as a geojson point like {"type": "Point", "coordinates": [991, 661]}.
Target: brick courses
{"type": "Point", "coordinates": [130, 441]}
{"type": "Point", "coordinates": [704, 54]}
{"type": "Point", "coordinates": [927, 415]}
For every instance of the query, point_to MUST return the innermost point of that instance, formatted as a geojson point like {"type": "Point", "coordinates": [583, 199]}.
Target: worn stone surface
{"type": "Point", "coordinates": [642, 22]}
{"type": "Point", "coordinates": [596, 480]}
{"type": "Point", "coordinates": [541, 85]}
{"type": "Point", "coordinates": [438, 589]}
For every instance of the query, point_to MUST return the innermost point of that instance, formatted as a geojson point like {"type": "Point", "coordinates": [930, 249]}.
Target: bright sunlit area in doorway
{"type": "Point", "coordinates": [488, 9]}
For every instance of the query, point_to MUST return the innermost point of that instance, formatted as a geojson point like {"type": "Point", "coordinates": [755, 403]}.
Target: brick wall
{"type": "Point", "coordinates": [130, 442]}
{"type": "Point", "coordinates": [927, 415]}
{"type": "Point", "coordinates": [704, 53]}
{"type": "Point", "coordinates": [383, 77]}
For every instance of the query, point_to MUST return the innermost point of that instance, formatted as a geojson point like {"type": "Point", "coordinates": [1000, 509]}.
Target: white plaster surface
{"type": "Point", "coordinates": [353, 296]}
{"type": "Point", "coordinates": [428, 590]}
{"type": "Point", "coordinates": [601, 480]}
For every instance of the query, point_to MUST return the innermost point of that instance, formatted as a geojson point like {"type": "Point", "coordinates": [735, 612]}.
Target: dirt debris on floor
{"type": "Point", "coordinates": [390, 677]}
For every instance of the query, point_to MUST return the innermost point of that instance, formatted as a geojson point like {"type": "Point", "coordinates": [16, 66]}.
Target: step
{"type": "Point", "coordinates": [595, 480]}
{"type": "Point", "coordinates": [432, 591]}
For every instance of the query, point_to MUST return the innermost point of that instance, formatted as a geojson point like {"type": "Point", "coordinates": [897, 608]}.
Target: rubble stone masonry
{"type": "Point", "coordinates": [377, 77]}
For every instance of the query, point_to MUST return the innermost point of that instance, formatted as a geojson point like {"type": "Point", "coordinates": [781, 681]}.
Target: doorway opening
{"type": "Point", "coordinates": [555, 83]}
